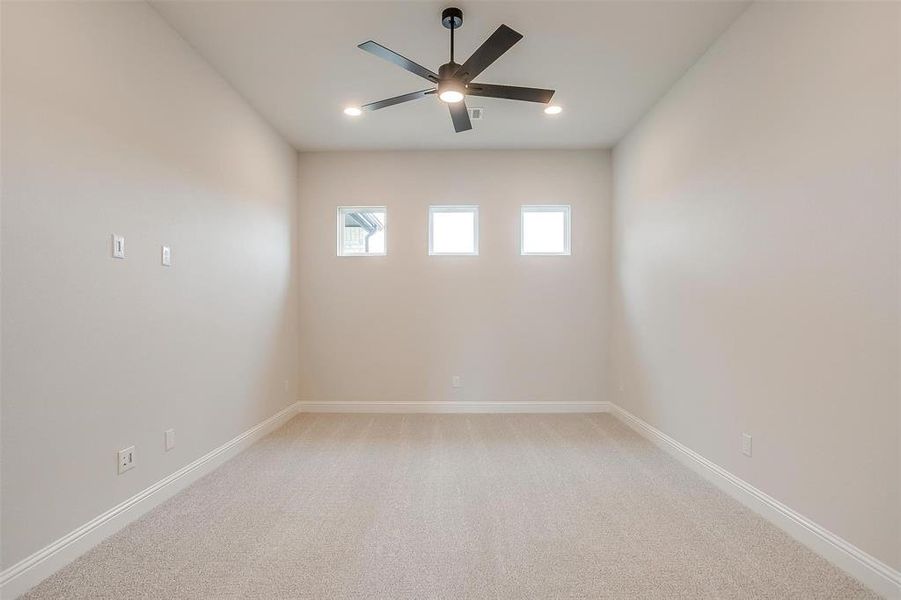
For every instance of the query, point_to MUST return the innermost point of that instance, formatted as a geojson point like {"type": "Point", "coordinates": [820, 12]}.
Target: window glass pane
{"type": "Point", "coordinates": [545, 230]}
{"type": "Point", "coordinates": [453, 230]}
{"type": "Point", "coordinates": [362, 230]}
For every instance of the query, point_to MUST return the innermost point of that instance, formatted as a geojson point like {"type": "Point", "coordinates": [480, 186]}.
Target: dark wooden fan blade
{"type": "Point", "coordinates": [404, 63]}
{"type": "Point", "coordinates": [460, 116]}
{"type": "Point", "coordinates": [510, 92]}
{"type": "Point", "coordinates": [397, 100]}
{"type": "Point", "coordinates": [499, 42]}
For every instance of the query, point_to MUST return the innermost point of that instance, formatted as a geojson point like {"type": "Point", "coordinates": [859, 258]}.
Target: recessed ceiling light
{"type": "Point", "coordinates": [353, 111]}
{"type": "Point", "coordinates": [553, 110]}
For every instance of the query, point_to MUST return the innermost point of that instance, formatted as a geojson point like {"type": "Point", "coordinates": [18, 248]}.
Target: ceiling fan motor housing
{"type": "Point", "coordinates": [452, 18]}
{"type": "Point", "coordinates": [447, 70]}
{"type": "Point", "coordinates": [449, 83]}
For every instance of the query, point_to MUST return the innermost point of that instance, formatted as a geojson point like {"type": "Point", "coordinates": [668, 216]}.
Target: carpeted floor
{"type": "Point", "coordinates": [451, 506]}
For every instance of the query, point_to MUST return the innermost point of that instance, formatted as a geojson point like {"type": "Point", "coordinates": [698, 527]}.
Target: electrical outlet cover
{"type": "Point", "coordinates": [126, 459]}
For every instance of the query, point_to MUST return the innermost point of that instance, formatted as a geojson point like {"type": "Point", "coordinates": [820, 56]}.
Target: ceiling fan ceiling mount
{"type": "Point", "coordinates": [455, 81]}
{"type": "Point", "coordinates": [452, 18]}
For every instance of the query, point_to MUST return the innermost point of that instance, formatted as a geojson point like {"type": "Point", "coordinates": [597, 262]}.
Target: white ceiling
{"type": "Point", "coordinates": [298, 64]}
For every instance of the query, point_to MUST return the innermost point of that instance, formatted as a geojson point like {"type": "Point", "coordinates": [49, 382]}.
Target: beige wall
{"type": "Point", "coordinates": [110, 123]}
{"type": "Point", "coordinates": [756, 229]}
{"type": "Point", "coordinates": [512, 327]}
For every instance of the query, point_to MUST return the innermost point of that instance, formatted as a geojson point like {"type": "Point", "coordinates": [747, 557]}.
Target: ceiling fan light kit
{"type": "Point", "coordinates": [450, 90]}
{"type": "Point", "coordinates": [453, 82]}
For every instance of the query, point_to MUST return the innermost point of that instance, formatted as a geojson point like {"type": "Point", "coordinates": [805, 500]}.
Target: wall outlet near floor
{"type": "Point", "coordinates": [118, 246]}
{"type": "Point", "coordinates": [746, 444]}
{"type": "Point", "coordinates": [287, 387]}
{"type": "Point", "coordinates": [126, 459]}
{"type": "Point", "coordinates": [455, 381]}
{"type": "Point", "coordinates": [166, 256]}
{"type": "Point", "coordinates": [170, 439]}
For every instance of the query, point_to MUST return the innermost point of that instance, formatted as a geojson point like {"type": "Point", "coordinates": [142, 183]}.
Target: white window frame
{"type": "Point", "coordinates": [343, 210]}
{"type": "Point", "coordinates": [566, 209]}
{"type": "Point", "coordinates": [442, 208]}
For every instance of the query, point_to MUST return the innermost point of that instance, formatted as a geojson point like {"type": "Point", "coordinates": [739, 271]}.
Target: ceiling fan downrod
{"type": "Point", "coordinates": [452, 18]}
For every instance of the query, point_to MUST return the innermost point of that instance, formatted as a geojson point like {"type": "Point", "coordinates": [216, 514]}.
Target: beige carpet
{"type": "Point", "coordinates": [451, 506]}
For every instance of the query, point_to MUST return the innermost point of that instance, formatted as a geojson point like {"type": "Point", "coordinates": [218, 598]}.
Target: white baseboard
{"type": "Point", "coordinates": [872, 572]}
{"type": "Point", "coordinates": [454, 407]}
{"type": "Point", "coordinates": [30, 571]}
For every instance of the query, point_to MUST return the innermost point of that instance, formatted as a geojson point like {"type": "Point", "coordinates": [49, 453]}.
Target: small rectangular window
{"type": "Point", "coordinates": [453, 230]}
{"type": "Point", "coordinates": [362, 230]}
{"type": "Point", "coordinates": [545, 229]}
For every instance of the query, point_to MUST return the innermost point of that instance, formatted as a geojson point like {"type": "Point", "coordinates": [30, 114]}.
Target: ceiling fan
{"type": "Point", "coordinates": [455, 81]}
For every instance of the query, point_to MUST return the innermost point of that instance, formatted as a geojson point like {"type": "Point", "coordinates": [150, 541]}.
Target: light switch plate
{"type": "Point", "coordinates": [118, 246]}
{"type": "Point", "coordinates": [166, 256]}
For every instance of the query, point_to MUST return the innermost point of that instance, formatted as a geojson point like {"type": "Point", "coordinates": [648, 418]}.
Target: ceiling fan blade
{"type": "Point", "coordinates": [499, 42]}
{"type": "Point", "coordinates": [397, 100]}
{"type": "Point", "coordinates": [460, 116]}
{"type": "Point", "coordinates": [402, 62]}
{"type": "Point", "coordinates": [510, 92]}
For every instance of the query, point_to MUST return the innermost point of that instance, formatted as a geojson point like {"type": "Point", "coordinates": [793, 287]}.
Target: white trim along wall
{"type": "Point", "coordinates": [869, 570]}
